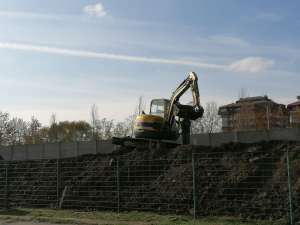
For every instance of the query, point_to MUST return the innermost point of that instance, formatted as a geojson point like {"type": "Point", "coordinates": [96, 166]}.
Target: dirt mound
{"type": "Point", "coordinates": [248, 180]}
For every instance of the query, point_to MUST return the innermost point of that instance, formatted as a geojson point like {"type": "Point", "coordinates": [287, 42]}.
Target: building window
{"type": "Point", "coordinates": [225, 122]}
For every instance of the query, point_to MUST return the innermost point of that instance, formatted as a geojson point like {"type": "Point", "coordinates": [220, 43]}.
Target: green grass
{"type": "Point", "coordinates": [110, 218]}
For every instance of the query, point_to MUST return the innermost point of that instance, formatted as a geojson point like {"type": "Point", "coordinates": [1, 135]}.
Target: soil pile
{"type": "Point", "coordinates": [248, 180]}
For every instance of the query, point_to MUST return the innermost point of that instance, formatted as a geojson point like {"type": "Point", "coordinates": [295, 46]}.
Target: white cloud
{"type": "Point", "coordinates": [251, 64]}
{"type": "Point", "coordinates": [95, 10]}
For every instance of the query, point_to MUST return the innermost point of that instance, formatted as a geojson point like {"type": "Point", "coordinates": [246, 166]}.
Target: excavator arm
{"type": "Point", "coordinates": [185, 112]}
{"type": "Point", "coordinates": [190, 82]}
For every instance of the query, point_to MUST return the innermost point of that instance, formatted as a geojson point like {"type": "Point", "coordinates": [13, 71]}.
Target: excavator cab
{"type": "Point", "coordinates": [159, 107]}
{"type": "Point", "coordinates": [151, 125]}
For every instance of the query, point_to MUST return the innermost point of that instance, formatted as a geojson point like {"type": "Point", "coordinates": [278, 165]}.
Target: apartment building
{"type": "Point", "coordinates": [253, 113]}
{"type": "Point", "coordinates": [294, 113]}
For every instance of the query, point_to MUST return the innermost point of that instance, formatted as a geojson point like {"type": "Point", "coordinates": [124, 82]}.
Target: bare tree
{"type": "Point", "coordinates": [33, 136]}
{"type": "Point", "coordinates": [53, 130]}
{"type": "Point", "coordinates": [4, 120]}
{"type": "Point", "coordinates": [94, 121]}
{"type": "Point", "coordinates": [108, 129]}
{"type": "Point", "coordinates": [12, 131]}
{"type": "Point", "coordinates": [121, 129]}
{"type": "Point", "coordinates": [17, 131]}
{"type": "Point", "coordinates": [53, 119]}
{"type": "Point", "coordinates": [129, 124]}
{"type": "Point", "coordinates": [104, 129]}
{"type": "Point", "coordinates": [141, 105]}
{"type": "Point", "coordinates": [130, 120]}
{"type": "Point", "coordinates": [210, 122]}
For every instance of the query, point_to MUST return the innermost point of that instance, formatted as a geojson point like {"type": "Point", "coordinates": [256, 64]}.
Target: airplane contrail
{"type": "Point", "coordinates": [102, 55]}
{"type": "Point", "coordinates": [247, 65]}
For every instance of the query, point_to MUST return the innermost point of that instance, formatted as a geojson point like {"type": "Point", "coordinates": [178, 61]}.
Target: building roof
{"type": "Point", "coordinates": [256, 100]}
{"type": "Point", "coordinates": [294, 104]}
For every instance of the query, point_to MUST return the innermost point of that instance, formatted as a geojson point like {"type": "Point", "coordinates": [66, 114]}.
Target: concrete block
{"type": "Point", "coordinates": [5, 152]}
{"type": "Point", "coordinates": [87, 148]}
{"type": "Point", "coordinates": [51, 151]}
{"type": "Point", "coordinates": [68, 150]}
{"type": "Point", "coordinates": [105, 147]}
{"type": "Point", "coordinates": [35, 151]}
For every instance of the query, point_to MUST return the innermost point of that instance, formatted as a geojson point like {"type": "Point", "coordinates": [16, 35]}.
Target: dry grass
{"type": "Point", "coordinates": [110, 218]}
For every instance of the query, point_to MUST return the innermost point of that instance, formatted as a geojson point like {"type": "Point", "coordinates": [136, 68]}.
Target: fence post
{"type": "Point", "coordinates": [290, 194]}
{"type": "Point", "coordinates": [96, 146]}
{"type": "Point", "coordinates": [6, 186]}
{"type": "Point", "coordinates": [118, 185]}
{"type": "Point", "coordinates": [58, 181]}
{"type": "Point", "coordinates": [194, 186]}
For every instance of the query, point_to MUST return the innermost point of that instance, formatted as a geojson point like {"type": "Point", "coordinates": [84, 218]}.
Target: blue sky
{"type": "Point", "coordinates": [62, 56]}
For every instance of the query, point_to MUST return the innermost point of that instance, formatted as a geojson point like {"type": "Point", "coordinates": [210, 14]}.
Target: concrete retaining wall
{"type": "Point", "coordinates": [55, 150]}
{"type": "Point", "coordinates": [66, 150]}
{"type": "Point", "coordinates": [217, 139]}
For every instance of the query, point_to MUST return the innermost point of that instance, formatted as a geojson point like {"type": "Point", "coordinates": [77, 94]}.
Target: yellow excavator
{"type": "Point", "coordinates": [168, 118]}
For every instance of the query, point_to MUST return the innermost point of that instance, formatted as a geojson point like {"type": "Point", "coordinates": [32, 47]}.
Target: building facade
{"type": "Point", "coordinates": [253, 113]}
{"type": "Point", "coordinates": [294, 113]}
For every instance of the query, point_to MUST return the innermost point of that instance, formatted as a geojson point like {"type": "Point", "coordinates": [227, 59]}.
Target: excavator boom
{"type": "Point", "coordinates": [190, 82]}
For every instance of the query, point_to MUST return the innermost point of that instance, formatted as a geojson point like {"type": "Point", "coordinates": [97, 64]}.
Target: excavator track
{"type": "Point", "coordinates": [144, 142]}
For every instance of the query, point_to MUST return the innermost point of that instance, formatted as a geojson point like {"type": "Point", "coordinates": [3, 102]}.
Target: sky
{"type": "Point", "coordinates": [62, 56]}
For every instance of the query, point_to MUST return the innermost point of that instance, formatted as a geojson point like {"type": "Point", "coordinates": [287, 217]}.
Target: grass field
{"type": "Point", "coordinates": [109, 218]}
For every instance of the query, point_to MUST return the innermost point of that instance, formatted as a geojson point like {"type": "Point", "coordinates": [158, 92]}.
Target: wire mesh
{"type": "Point", "coordinates": [252, 184]}
{"type": "Point", "coordinates": [89, 185]}
{"type": "Point", "coordinates": [247, 184]}
{"type": "Point", "coordinates": [156, 185]}
{"type": "Point", "coordinates": [31, 184]}
{"type": "Point", "coordinates": [3, 189]}
{"type": "Point", "coordinates": [294, 162]}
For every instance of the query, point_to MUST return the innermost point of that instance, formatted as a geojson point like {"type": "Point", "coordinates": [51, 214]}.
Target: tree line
{"type": "Point", "coordinates": [17, 131]}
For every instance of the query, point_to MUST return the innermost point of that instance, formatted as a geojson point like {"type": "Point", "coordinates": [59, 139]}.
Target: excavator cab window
{"type": "Point", "coordinates": [159, 107]}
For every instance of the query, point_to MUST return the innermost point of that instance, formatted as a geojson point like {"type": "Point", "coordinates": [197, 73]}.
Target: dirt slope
{"type": "Point", "coordinates": [248, 180]}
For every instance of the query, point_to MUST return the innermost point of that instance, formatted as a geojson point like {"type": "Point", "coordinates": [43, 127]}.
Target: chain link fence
{"type": "Point", "coordinates": [249, 185]}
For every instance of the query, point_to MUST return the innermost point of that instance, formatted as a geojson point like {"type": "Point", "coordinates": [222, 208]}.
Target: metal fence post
{"type": "Point", "coordinates": [58, 181]}
{"type": "Point", "coordinates": [96, 146]}
{"type": "Point", "coordinates": [194, 186]}
{"type": "Point", "coordinates": [290, 194]}
{"type": "Point", "coordinates": [118, 185]}
{"type": "Point", "coordinates": [6, 186]}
